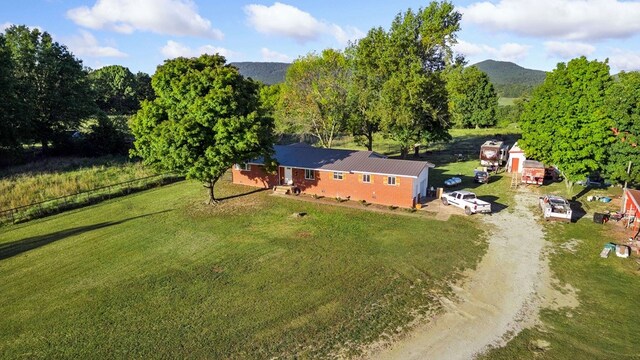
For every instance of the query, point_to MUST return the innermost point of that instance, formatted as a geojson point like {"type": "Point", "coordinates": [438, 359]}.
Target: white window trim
{"type": "Point", "coordinates": [335, 175]}
{"type": "Point", "coordinates": [243, 167]}
{"type": "Point", "coordinates": [363, 179]}
{"type": "Point", "coordinates": [309, 171]}
{"type": "Point", "coordinates": [395, 181]}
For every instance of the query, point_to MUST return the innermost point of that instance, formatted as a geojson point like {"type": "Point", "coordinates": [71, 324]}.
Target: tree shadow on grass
{"type": "Point", "coordinates": [17, 247]}
{"type": "Point", "coordinates": [228, 197]}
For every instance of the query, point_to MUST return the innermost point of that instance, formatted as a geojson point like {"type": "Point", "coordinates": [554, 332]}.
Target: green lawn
{"type": "Point", "coordinates": [158, 274]}
{"type": "Point", "coordinates": [505, 101]}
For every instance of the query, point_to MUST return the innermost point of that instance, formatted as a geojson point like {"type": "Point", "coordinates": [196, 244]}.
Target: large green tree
{"type": "Point", "coordinates": [205, 118]}
{"type": "Point", "coordinates": [50, 83]}
{"type": "Point", "coordinates": [623, 102]}
{"type": "Point", "coordinates": [413, 96]}
{"type": "Point", "coordinates": [368, 75]}
{"type": "Point", "coordinates": [566, 122]}
{"type": "Point", "coordinates": [10, 128]}
{"type": "Point", "coordinates": [114, 87]}
{"type": "Point", "coordinates": [314, 97]}
{"type": "Point", "coordinates": [473, 101]}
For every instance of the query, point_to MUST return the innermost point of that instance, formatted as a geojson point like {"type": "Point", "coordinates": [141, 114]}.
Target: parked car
{"type": "Point", "coordinates": [480, 176]}
{"type": "Point", "coordinates": [555, 208]}
{"type": "Point", "coordinates": [466, 200]}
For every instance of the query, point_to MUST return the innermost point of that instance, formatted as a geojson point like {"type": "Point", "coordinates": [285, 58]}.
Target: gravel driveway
{"type": "Point", "coordinates": [500, 298]}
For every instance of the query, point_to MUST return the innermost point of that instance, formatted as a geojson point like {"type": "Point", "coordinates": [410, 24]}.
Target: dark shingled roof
{"type": "Point", "coordinates": [309, 157]}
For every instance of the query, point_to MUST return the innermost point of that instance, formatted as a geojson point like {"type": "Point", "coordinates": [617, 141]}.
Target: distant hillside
{"type": "Point", "coordinates": [266, 72]}
{"type": "Point", "coordinates": [511, 80]}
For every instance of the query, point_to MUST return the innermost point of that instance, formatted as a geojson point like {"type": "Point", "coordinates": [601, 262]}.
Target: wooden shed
{"type": "Point", "coordinates": [516, 159]}
{"type": "Point", "coordinates": [532, 172]}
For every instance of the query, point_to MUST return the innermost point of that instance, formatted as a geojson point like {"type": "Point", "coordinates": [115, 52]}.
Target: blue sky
{"type": "Point", "coordinates": [141, 34]}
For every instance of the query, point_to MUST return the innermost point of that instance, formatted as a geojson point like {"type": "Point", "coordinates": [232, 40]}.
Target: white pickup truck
{"type": "Point", "coordinates": [555, 208]}
{"type": "Point", "coordinates": [466, 200]}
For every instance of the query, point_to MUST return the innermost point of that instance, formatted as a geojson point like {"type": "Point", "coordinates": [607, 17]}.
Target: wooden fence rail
{"type": "Point", "coordinates": [83, 198]}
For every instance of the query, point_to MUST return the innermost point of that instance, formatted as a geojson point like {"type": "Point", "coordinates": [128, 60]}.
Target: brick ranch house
{"type": "Point", "coordinates": [352, 174]}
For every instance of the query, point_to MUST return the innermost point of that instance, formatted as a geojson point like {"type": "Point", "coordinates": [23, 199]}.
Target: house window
{"type": "Point", "coordinates": [309, 174]}
{"type": "Point", "coordinates": [243, 167]}
{"type": "Point", "coordinates": [337, 176]}
{"type": "Point", "coordinates": [366, 178]}
{"type": "Point", "coordinates": [391, 180]}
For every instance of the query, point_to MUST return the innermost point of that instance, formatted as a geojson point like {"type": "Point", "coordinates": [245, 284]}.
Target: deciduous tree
{"type": "Point", "coordinates": [205, 118]}
{"type": "Point", "coordinates": [114, 87]}
{"type": "Point", "coordinates": [566, 122]}
{"type": "Point", "coordinates": [51, 84]}
{"type": "Point", "coordinates": [473, 101]}
{"type": "Point", "coordinates": [413, 97]}
{"type": "Point", "coordinates": [623, 102]}
{"type": "Point", "coordinates": [314, 95]}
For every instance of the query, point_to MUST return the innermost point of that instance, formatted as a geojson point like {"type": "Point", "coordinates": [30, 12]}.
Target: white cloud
{"type": "Point", "coordinates": [568, 50]}
{"type": "Point", "coordinates": [562, 19]}
{"type": "Point", "coordinates": [506, 52]}
{"type": "Point", "coordinates": [174, 49]}
{"type": "Point", "coordinates": [173, 17]}
{"type": "Point", "coordinates": [289, 21]}
{"type": "Point", "coordinates": [86, 44]}
{"type": "Point", "coordinates": [270, 55]}
{"type": "Point", "coordinates": [624, 60]}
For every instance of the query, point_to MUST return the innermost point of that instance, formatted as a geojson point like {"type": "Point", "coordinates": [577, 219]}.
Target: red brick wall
{"type": "Point", "coordinates": [256, 176]}
{"type": "Point", "coordinates": [351, 186]}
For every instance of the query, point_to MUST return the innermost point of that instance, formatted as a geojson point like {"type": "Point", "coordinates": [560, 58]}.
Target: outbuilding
{"type": "Point", "coordinates": [516, 159]}
{"type": "Point", "coordinates": [346, 174]}
{"type": "Point", "coordinates": [532, 172]}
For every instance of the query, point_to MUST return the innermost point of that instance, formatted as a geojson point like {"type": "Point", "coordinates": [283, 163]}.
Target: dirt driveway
{"type": "Point", "coordinates": [496, 301]}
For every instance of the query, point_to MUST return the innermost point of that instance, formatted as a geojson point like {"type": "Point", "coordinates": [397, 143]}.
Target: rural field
{"type": "Point", "coordinates": [159, 274]}
{"type": "Point", "coordinates": [56, 177]}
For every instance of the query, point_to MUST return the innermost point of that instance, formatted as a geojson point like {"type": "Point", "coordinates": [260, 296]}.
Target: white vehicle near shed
{"type": "Point", "coordinates": [466, 200]}
{"type": "Point", "coordinates": [555, 208]}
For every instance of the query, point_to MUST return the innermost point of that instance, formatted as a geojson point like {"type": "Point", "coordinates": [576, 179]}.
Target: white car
{"type": "Point", "coordinates": [466, 200]}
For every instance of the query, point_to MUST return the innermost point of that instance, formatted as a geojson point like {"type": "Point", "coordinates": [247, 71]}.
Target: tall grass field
{"type": "Point", "coordinates": [56, 177]}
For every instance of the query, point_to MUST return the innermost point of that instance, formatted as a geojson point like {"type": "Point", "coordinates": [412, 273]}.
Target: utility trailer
{"type": "Point", "coordinates": [494, 153]}
{"type": "Point", "coordinates": [533, 172]}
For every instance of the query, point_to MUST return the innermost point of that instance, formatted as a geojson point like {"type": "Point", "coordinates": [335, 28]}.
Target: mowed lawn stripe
{"type": "Point", "coordinates": [159, 274]}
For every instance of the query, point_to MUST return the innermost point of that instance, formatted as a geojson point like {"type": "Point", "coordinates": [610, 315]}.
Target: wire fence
{"type": "Point", "coordinates": [56, 205]}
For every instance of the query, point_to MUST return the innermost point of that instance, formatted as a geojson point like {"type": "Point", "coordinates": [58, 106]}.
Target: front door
{"type": "Point", "coordinates": [288, 176]}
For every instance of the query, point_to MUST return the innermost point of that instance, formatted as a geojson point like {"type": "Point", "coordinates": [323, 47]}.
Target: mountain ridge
{"type": "Point", "coordinates": [508, 78]}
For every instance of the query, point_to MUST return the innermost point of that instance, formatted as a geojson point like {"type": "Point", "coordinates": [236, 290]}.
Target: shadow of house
{"type": "Point", "coordinates": [18, 247]}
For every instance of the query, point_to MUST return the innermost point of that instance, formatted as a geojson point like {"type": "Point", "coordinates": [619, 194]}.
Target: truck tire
{"type": "Point", "coordinates": [467, 210]}
{"type": "Point", "coordinates": [445, 201]}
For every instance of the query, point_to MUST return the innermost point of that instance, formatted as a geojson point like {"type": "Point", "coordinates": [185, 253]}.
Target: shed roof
{"type": "Point", "coordinates": [309, 157]}
{"type": "Point", "coordinates": [634, 195]}
{"type": "Point", "coordinates": [533, 164]}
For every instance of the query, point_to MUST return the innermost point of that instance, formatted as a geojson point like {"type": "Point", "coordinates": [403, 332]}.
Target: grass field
{"type": "Point", "coordinates": [56, 177]}
{"type": "Point", "coordinates": [504, 101]}
{"type": "Point", "coordinates": [158, 274]}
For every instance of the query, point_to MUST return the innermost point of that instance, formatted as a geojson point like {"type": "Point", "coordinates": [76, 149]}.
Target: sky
{"type": "Point", "coordinates": [142, 34]}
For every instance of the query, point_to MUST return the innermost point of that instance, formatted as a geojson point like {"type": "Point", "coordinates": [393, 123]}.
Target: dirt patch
{"type": "Point", "coordinates": [499, 299]}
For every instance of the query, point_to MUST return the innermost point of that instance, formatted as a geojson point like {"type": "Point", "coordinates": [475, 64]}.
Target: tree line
{"type": "Point", "coordinates": [49, 98]}
{"type": "Point", "coordinates": [403, 83]}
